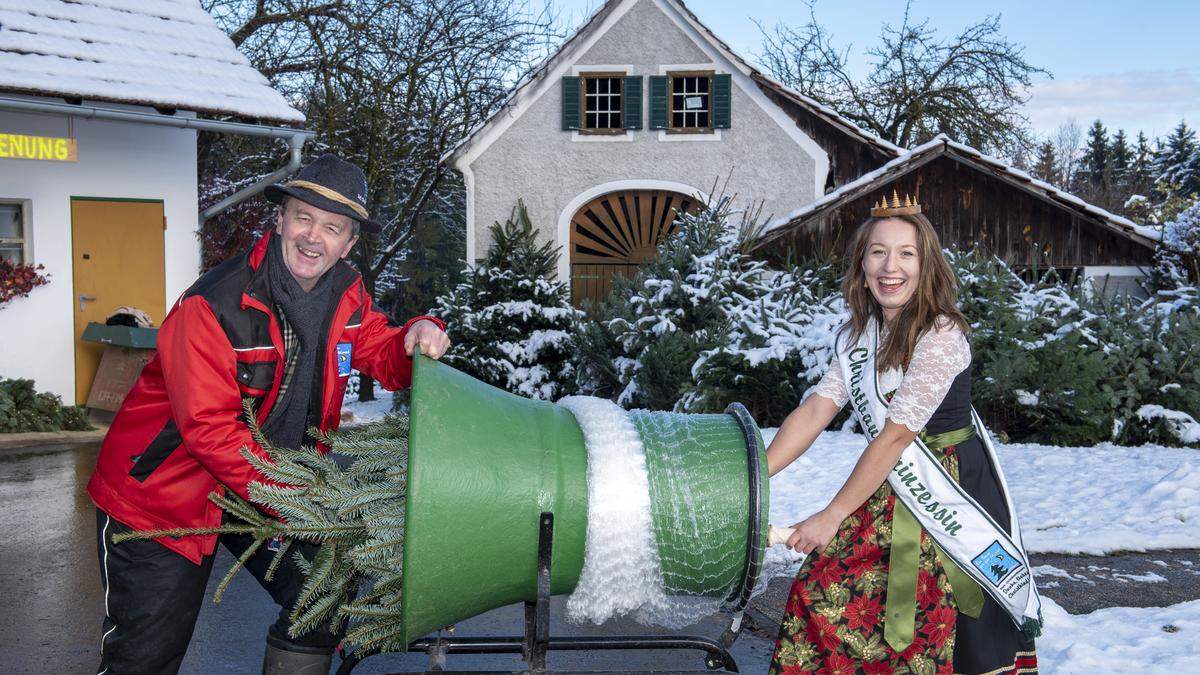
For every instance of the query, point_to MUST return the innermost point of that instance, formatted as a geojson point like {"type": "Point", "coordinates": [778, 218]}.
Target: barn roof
{"type": "Point", "coordinates": [161, 53]}
{"type": "Point", "coordinates": [943, 146]}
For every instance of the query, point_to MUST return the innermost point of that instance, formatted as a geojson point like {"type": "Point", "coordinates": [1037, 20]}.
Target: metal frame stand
{"type": "Point", "coordinates": [536, 642]}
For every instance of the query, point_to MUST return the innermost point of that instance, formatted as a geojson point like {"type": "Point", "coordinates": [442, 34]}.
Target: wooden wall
{"type": "Point", "coordinates": [849, 157]}
{"type": "Point", "coordinates": [967, 205]}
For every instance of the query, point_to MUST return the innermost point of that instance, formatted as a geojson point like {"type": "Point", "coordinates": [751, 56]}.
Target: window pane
{"type": "Point", "coordinates": [702, 84]}
{"type": "Point", "coordinates": [615, 120]}
{"type": "Point", "coordinates": [677, 85]}
{"type": "Point", "coordinates": [10, 221]}
{"type": "Point", "coordinates": [591, 86]}
{"type": "Point", "coordinates": [677, 120]}
{"type": "Point", "coordinates": [702, 119]}
{"type": "Point", "coordinates": [14, 254]}
{"type": "Point", "coordinates": [615, 85]}
{"type": "Point", "coordinates": [591, 121]}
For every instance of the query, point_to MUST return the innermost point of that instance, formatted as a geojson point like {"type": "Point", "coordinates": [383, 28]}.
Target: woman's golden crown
{"type": "Point", "coordinates": [896, 208]}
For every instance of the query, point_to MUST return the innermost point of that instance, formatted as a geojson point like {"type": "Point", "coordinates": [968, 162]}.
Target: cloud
{"type": "Point", "coordinates": [1149, 100]}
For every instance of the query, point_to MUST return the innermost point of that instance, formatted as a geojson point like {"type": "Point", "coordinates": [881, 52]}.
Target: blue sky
{"type": "Point", "coordinates": [1135, 65]}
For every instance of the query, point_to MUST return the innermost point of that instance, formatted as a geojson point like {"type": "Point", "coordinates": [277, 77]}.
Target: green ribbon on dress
{"type": "Point", "coordinates": [900, 611]}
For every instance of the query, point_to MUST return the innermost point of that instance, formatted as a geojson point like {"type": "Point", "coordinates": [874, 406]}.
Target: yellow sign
{"type": "Point", "coordinates": [45, 148]}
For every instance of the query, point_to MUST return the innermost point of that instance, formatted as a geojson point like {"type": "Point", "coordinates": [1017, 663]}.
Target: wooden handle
{"type": "Point", "coordinates": [778, 535]}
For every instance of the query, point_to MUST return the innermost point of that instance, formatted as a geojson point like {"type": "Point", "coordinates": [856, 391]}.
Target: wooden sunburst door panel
{"type": "Point", "coordinates": [616, 232]}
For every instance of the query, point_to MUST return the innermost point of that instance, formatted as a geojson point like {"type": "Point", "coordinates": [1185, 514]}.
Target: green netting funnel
{"type": "Point", "coordinates": [484, 464]}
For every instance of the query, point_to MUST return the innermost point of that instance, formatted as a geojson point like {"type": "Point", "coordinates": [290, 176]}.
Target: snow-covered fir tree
{"type": "Point", "coordinates": [511, 319]}
{"type": "Point", "coordinates": [1175, 164]}
{"type": "Point", "coordinates": [643, 342]}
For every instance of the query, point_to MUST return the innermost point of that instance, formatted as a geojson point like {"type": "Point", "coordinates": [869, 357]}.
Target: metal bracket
{"type": "Point", "coordinates": [536, 642]}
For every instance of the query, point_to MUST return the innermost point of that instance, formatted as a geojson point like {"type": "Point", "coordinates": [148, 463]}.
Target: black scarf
{"type": "Point", "coordinates": [305, 313]}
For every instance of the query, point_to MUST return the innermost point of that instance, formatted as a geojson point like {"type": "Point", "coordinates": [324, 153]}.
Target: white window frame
{"type": "Point", "coordinates": [26, 239]}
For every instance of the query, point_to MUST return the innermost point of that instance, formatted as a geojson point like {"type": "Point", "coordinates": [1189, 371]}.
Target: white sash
{"type": "Point", "coordinates": [995, 559]}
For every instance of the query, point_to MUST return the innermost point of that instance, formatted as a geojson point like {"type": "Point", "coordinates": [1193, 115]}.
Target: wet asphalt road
{"type": "Point", "coordinates": [51, 602]}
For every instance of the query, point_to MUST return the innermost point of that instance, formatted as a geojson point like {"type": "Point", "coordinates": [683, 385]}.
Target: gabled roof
{"type": "Point", "coordinates": [941, 146]}
{"type": "Point", "coordinates": [161, 53]}
{"type": "Point", "coordinates": [597, 18]}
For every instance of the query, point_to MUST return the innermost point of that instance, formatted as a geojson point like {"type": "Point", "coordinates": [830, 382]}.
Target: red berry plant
{"type": "Point", "coordinates": [17, 280]}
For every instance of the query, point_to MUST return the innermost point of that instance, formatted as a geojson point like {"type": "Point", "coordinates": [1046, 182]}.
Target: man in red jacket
{"type": "Point", "coordinates": [282, 325]}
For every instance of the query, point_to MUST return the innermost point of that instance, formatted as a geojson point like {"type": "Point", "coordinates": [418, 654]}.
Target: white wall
{"type": "Point", "coordinates": [764, 156]}
{"type": "Point", "coordinates": [116, 159]}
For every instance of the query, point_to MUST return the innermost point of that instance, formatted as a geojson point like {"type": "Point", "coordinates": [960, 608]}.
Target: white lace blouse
{"type": "Point", "coordinates": [939, 356]}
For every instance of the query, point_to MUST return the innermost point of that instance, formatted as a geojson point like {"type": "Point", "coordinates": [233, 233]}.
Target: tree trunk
{"type": "Point", "coordinates": [366, 387]}
{"type": "Point", "coordinates": [366, 384]}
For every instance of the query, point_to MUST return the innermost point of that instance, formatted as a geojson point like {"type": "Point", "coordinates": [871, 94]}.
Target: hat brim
{"type": "Point", "coordinates": [276, 194]}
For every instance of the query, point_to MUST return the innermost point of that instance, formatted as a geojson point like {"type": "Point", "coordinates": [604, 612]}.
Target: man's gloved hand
{"type": "Point", "coordinates": [425, 334]}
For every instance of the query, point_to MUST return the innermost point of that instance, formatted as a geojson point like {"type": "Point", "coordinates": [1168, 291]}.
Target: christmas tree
{"type": "Point", "coordinates": [512, 320]}
{"type": "Point", "coordinates": [356, 514]}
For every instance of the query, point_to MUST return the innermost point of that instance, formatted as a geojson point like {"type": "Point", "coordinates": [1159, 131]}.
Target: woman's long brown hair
{"type": "Point", "coordinates": [936, 294]}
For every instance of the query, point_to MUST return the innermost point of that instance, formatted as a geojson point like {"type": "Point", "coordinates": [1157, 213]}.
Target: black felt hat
{"type": "Point", "coordinates": [332, 184]}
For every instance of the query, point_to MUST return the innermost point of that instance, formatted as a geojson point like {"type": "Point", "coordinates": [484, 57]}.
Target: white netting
{"type": "Point", "coordinates": [621, 574]}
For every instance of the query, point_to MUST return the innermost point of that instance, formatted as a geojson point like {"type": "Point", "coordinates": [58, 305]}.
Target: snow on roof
{"type": "Point", "coordinates": [940, 145]}
{"type": "Point", "coordinates": [163, 53]}
{"type": "Point", "coordinates": [762, 78]}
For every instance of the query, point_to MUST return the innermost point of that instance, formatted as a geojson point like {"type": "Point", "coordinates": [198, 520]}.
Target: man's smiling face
{"type": "Point", "coordinates": [313, 240]}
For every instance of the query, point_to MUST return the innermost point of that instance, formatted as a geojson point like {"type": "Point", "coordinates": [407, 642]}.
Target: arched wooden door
{"type": "Point", "coordinates": [616, 232]}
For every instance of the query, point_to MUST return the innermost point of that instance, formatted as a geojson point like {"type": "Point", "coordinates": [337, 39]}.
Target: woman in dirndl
{"type": "Point", "coordinates": [876, 594]}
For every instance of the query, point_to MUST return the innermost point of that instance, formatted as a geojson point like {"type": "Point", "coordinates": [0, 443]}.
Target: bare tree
{"type": "Point", "coordinates": [391, 85]}
{"type": "Point", "coordinates": [1068, 145]}
{"type": "Point", "coordinates": [971, 86]}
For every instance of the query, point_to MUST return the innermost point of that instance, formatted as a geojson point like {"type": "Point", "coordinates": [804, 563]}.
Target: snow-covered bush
{"type": "Point", "coordinates": [511, 322]}
{"type": "Point", "coordinates": [1056, 362]}
{"type": "Point", "coordinates": [776, 345]}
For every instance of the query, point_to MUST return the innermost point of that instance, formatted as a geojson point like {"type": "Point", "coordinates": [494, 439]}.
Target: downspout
{"type": "Point", "coordinates": [296, 145]}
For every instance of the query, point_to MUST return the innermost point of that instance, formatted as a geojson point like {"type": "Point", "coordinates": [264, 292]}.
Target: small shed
{"type": "Point", "coordinates": [973, 199]}
{"type": "Point", "coordinates": [100, 105]}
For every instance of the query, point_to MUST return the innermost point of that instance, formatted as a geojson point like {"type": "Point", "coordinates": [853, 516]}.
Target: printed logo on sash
{"type": "Point", "coordinates": [995, 563]}
{"type": "Point", "coordinates": [343, 356]}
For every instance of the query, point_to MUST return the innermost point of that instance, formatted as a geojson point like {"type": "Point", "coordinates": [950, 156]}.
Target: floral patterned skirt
{"type": "Point", "coordinates": [833, 621]}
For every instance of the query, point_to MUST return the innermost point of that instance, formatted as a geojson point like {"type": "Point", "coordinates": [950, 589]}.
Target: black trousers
{"type": "Point", "coordinates": [152, 596]}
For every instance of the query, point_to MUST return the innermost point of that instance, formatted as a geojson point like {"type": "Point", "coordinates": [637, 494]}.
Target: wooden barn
{"type": "Point", "coordinates": [973, 199]}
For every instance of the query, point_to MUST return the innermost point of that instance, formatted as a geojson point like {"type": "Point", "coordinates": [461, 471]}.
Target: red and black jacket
{"type": "Point", "coordinates": [178, 435]}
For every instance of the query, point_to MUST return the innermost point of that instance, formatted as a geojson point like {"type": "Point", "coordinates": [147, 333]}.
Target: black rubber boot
{"type": "Point", "coordinates": [284, 658]}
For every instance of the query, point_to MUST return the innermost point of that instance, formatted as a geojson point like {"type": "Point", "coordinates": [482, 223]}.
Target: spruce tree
{"type": "Point", "coordinates": [512, 320]}
{"type": "Point", "coordinates": [1174, 163]}
{"type": "Point", "coordinates": [1141, 171]}
{"type": "Point", "coordinates": [1121, 156]}
{"type": "Point", "coordinates": [1096, 161]}
{"type": "Point", "coordinates": [1046, 168]}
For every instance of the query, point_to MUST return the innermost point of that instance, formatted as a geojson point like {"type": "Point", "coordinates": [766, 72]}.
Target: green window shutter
{"type": "Point", "coordinates": [572, 116]}
{"type": "Point", "coordinates": [659, 98]}
{"type": "Point", "coordinates": [722, 86]}
{"type": "Point", "coordinates": [631, 102]}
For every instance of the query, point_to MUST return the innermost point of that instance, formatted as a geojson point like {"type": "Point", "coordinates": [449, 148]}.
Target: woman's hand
{"type": "Point", "coordinates": [815, 532]}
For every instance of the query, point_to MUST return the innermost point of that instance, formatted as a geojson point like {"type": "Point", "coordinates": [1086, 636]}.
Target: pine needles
{"type": "Point", "coordinates": [350, 501]}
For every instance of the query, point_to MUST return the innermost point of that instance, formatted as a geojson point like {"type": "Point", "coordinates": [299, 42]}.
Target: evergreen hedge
{"type": "Point", "coordinates": [23, 408]}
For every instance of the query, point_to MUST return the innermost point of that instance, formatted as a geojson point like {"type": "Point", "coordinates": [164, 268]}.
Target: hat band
{"type": "Point", "coordinates": [331, 195]}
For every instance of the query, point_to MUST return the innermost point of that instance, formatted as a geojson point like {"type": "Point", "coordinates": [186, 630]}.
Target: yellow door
{"type": "Point", "coordinates": [117, 252]}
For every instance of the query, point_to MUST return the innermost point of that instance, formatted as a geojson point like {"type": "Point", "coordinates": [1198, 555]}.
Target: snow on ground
{"type": "Point", "coordinates": [1120, 640]}
{"type": "Point", "coordinates": [1070, 500]}
{"type": "Point", "coordinates": [354, 412]}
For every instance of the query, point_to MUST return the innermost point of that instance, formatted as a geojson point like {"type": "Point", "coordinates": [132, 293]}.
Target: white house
{"type": "Point", "coordinates": [637, 115]}
{"type": "Point", "coordinates": [100, 104]}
